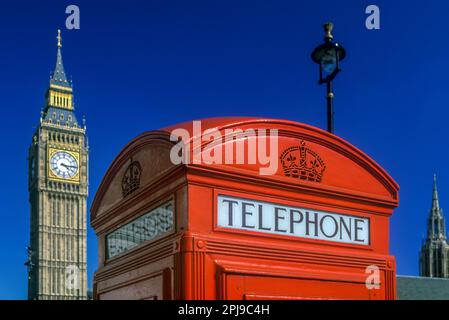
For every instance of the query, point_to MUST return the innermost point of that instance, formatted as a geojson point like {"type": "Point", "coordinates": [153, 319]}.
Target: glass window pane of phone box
{"type": "Point", "coordinates": [155, 223]}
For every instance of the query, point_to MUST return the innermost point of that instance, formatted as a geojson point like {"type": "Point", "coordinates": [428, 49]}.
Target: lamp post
{"type": "Point", "coordinates": [30, 265]}
{"type": "Point", "coordinates": [328, 56]}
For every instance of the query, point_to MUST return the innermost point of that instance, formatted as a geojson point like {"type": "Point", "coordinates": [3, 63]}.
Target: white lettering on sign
{"type": "Point", "coordinates": [258, 216]}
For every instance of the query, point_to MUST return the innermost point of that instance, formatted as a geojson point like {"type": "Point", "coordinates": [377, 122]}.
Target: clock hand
{"type": "Point", "coordinates": [67, 166]}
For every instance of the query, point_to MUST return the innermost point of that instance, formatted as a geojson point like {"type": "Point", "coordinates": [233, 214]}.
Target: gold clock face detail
{"type": "Point", "coordinates": [63, 165]}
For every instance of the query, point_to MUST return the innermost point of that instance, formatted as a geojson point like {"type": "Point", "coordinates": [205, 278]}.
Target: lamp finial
{"type": "Point", "coordinates": [328, 27]}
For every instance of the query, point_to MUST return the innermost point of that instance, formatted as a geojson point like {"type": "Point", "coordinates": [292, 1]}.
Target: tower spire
{"type": "Point", "coordinates": [59, 97]}
{"type": "Point", "coordinates": [435, 202]}
{"type": "Point", "coordinates": [435, 249]}
{"type": "Point", "coordinates": [58, 77]}
{"type": "Point", "coordinates": [436, 224]}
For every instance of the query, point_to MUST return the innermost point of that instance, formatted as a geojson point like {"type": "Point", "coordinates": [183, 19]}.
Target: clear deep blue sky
{"type": "Point", "coordinates": [143, 65]}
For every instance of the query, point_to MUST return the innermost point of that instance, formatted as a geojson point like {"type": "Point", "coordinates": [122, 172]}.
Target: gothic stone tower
{"type": "Point", "coordinates": [58, 188]}
{"type": "Point", "coordinates": [434, 252]}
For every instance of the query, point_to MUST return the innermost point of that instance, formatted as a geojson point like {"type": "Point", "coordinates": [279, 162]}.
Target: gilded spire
{"type": "Point", "coordinates": [59, 39]}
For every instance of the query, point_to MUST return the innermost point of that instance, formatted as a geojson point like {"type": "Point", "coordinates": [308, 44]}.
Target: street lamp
{"type": "Point", "coordinates": [328, 56]}
{"type": "Point", "coordinates": [30, 265]}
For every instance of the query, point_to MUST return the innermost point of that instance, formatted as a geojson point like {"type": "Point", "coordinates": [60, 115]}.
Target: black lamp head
{"type": "Point", "coordinates": [328, 55]}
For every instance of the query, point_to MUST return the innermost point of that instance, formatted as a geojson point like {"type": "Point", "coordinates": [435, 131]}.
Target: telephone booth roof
{"type": "Point", "coordinates": [346, 171]}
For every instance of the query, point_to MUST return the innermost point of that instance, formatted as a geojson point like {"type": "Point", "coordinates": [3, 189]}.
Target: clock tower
{"type": "Point", "coordinates": [58, 189]}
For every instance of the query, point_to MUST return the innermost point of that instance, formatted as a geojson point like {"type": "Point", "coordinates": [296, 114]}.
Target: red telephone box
{"type": "Point", "coordinates": [309, 221]}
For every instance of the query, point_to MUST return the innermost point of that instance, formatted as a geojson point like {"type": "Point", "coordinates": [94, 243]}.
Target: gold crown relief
{"type": "Point", "coordinates": [303, 163]}
{"type": "Point", "coordinates": [131, 178]}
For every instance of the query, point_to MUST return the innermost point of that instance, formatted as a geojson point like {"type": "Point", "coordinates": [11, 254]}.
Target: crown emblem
{"type": "Point", "coordinates": [303, 163]}
{"type": "Point", "coordinates": [131, 178]}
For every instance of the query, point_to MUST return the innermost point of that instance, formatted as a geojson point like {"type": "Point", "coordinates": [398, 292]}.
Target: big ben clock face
{"type": "Point", "coordinates": [64, 165]}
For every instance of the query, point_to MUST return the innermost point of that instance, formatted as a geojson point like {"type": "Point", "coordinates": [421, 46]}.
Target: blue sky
{"type": "Point", "coordinates": [143, 65]}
